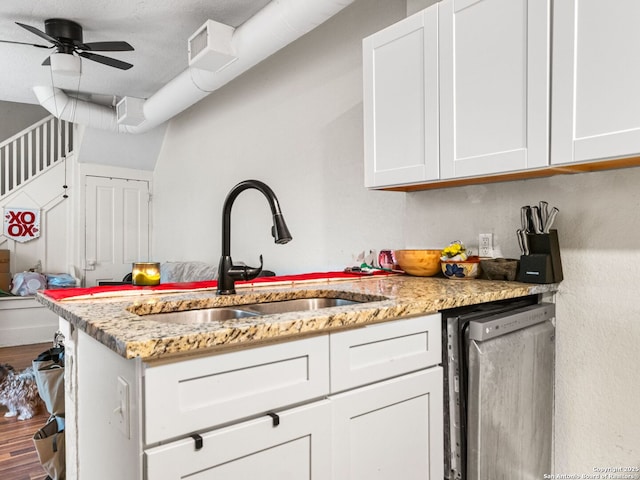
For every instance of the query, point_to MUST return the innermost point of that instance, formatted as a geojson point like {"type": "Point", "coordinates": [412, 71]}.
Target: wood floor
{"type": "Point", "coordinates": [18, 459]}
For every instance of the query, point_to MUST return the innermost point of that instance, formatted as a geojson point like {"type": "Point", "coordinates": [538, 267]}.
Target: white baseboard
{"type": "Point", "coordinates": [24, 321]}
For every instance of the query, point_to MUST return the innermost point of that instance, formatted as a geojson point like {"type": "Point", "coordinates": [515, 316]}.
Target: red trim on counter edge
{"type": "Point", "coordinates": [115, 290]}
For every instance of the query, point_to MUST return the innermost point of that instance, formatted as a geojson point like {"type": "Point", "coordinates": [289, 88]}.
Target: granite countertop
{"type": "Point", "coordinates": [123, 324]}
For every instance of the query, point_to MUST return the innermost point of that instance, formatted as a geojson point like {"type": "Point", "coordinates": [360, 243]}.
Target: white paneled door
{"type": "Point", "coordinates": [116, 227]}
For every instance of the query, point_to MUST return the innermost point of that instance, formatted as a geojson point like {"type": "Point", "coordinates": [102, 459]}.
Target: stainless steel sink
{"type": "Point", "coordinates": [221, 314]}
{"type": "Point", "coordinates": [202, 316]}
{"type": "Point", "coordinates": [297, 305]}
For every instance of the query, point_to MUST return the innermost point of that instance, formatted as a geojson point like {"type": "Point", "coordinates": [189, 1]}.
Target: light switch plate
{"type": "Point", "coordinates": [123, 410]}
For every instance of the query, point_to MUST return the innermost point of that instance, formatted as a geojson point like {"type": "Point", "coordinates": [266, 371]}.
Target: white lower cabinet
{"type": "Point", "coordinates": [384, 431]}
{"type": "Point", "coordinates": [390, 430]}
{"type": "Point", "coordinates": [362, 404]}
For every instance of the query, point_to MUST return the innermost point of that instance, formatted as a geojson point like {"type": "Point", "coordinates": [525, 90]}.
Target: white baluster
{"type": "Point", "coordinates": [52, 142]}
{"type": "Point", "coordinates": [15, 164]}
{"type": "Point", "coordinates": [38, 155]}
{"type": "Point", "coordinates": [24, 164]}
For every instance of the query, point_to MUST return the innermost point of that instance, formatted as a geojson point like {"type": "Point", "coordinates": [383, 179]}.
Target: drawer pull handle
{"type": "Point", "coordinates": [275, 418]}
{"type": "Point", "coordinates": [198, 440]}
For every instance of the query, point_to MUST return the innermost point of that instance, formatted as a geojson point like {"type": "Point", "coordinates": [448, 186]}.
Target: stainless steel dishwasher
{"type": "Point", "coordinates": [499, 361]}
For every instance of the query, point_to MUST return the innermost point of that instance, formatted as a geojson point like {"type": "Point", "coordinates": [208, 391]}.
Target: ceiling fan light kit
{"type": "Point", "coordinates": [65, 64]}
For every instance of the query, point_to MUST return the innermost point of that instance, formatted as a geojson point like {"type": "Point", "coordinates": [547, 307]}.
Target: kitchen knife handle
{"type": "Point", "coordinates": [523, 241]}
{"type": "Point", "coordinates": [544, 212]}
{"type": "Point", "coordinates": [537, 220]}
{"type": "Point", "coordinates": [519, 237]}
{"type": "Point", "coordinates": [550, 220]}
{"type": "Point", "coordinates": [530, 227]}
{"type": "Point", "coordinates": [523, 218]}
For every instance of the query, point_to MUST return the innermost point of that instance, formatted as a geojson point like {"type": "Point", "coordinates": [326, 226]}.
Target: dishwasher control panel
{"type": "Point", "coordinates": [503, 323]}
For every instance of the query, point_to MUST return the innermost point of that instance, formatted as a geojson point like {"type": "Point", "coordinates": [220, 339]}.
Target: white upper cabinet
{"type": "Point", "coordinates": [472, 88]}
{"type": "Point", "coordinates": [494, 86]}
{"type": "Point", "coordinates": [596, 80]}
{"type": "Point", "coordinates": [400, 66]}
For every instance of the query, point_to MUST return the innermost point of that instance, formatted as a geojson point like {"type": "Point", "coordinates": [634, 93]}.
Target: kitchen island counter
{"type": "Point", "coordinates": [157, 387]}
{"type": "Point", "coordinates": [125, 323]}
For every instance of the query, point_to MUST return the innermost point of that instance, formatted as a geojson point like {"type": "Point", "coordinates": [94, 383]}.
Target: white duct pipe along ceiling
{"type": "Point", "coordinates": [272, 28]}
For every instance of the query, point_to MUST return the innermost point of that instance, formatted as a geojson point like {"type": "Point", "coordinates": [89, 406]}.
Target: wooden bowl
{"type": "Point", "coordinates": [499, 268]}
{"type": "Point", "coordinates": [421, 263]}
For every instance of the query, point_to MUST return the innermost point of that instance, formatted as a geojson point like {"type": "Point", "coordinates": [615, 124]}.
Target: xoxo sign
{"type": "Point", "coordinates": [21, 224]}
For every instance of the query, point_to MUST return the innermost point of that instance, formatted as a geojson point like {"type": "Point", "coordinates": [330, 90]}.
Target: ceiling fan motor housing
{"type": "Point", "coordinates": [64, 30]}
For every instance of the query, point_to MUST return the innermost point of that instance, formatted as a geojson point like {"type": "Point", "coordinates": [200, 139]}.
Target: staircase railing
{"type": "Point", "coordinates": [32, 151]}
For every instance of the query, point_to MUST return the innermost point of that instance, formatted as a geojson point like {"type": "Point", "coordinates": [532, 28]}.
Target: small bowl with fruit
{"type": "Point", "coordinates": [456, 264]}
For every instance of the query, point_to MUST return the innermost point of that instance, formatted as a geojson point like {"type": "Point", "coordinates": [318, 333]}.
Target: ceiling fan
{"type": "Point", "coordinates": [66, 37]}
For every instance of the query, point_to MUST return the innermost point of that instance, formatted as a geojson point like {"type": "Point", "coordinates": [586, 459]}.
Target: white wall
{"type": "Point", "coordinates": [102, 147]}
{"type": "Point", "coordinates": [295, 121]}
{"type": "Point", "coordinates": [598, 316]}
{"type": "Point", "coordinates": [15, 117]}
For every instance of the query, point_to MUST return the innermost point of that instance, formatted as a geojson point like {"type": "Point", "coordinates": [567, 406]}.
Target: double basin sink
{"type": "Point", "coordinates": [250, 310]}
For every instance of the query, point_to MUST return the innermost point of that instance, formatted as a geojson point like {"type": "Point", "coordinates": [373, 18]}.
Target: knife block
{"type": "Point", "coordinates": [543, 264]}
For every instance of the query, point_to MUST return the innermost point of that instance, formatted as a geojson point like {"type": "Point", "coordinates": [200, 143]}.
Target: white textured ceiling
{"type": "Point", "coordinates": [157, 29]}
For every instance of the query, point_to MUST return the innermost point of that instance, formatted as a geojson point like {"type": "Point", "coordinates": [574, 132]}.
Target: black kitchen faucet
{"type": "Point", "coordinates": [228, 273]}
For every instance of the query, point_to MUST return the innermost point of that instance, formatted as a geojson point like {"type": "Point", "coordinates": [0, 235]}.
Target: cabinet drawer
{"type": "Point", "coordinates": [385, 350]}
{"type": "Point", "coordinates": [299, 447]}
{"type": "Point", "coordinates": [195, 395]}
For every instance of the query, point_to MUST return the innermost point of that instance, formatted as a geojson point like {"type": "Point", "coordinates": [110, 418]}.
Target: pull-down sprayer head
{"type": "Point", "coordinates": [279, 231]}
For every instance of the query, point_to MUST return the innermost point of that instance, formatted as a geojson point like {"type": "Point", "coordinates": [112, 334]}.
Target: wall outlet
{"type": "Point", "coordinates": [485, 245]}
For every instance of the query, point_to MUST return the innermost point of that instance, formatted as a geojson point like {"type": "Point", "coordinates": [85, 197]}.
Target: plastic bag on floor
{"type": "Point", "coordinates": [48, 369]}
{"type": "Point", "coordinates": [50, 447]}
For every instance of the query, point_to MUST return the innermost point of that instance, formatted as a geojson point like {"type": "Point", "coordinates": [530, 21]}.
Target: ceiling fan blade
{"type": "Point", "coordinates": [24, 43]}
{"type": "Point", "coordinates": [106, 47]}
{"type": "Point", "coordinates": [40, 33]}
{"type": "Point", "coordinates": [112, 62]}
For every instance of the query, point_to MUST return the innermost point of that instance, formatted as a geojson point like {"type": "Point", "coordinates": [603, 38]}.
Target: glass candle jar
{"type": "Point", "coordinates": [145, 273]}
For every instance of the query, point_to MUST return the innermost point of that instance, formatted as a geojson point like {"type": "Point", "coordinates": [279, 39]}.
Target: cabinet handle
{"type": "Point", "coordinates": [198, 440]}
{"type": "Point", "coordinates": [275, 418]}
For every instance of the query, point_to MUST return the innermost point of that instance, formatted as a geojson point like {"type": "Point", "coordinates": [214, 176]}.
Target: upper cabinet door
{"type": "Point", "coordinates": [494, 86]}
{"type": "Point", "coordinates": [400, 65]}
{"type": "Point", "coordinates": [596, 79]}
